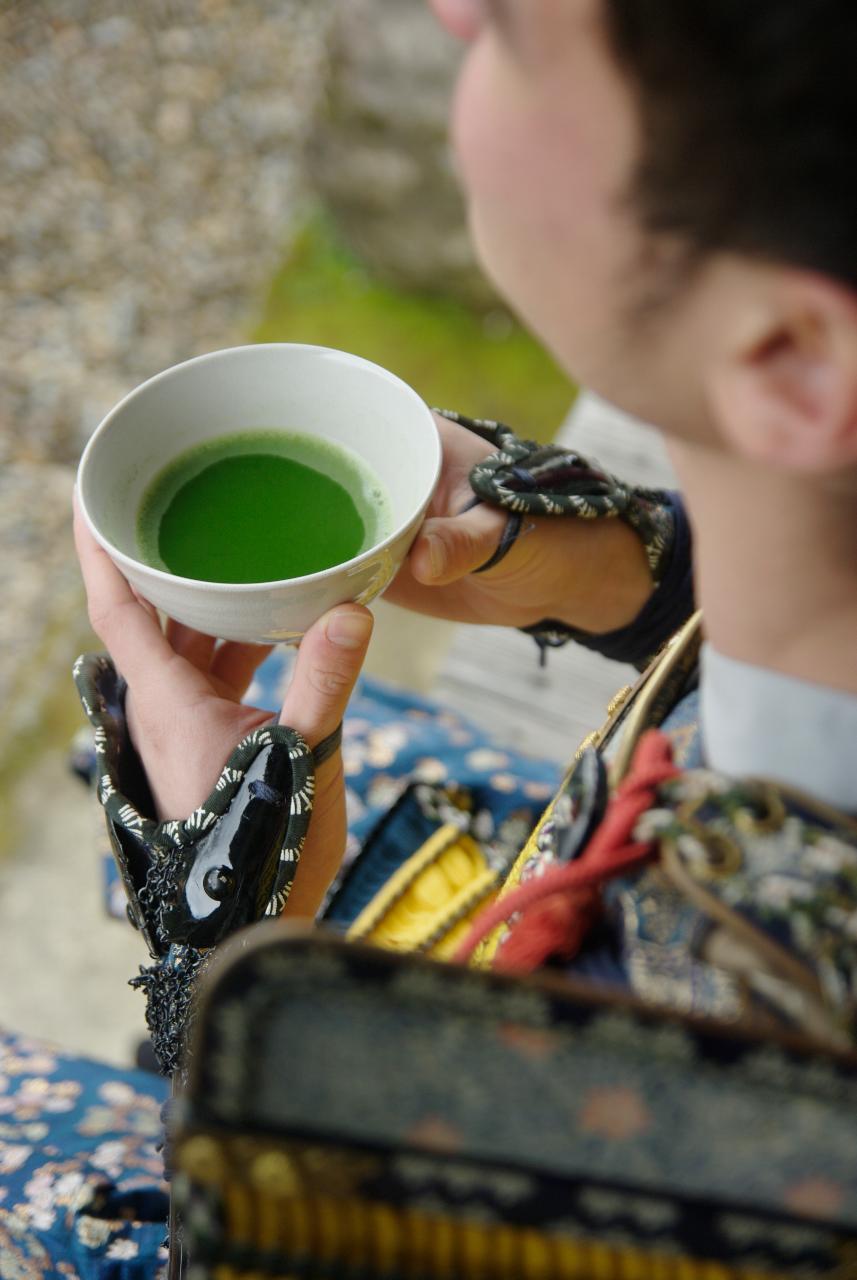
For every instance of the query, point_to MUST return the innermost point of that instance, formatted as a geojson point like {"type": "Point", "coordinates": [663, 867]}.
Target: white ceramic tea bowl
{"type": "Point", "coordinates": [282, 386]}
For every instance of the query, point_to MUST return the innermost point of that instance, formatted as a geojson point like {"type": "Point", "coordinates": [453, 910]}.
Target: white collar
{"type": "Point", "coordinates": [763, 724]}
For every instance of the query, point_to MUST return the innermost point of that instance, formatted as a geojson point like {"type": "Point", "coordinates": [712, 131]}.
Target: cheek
{"type": "Point", "coordinates": [521, 168]}
{"type": "Point", "coordinates": [496, 168]}
{"type": "Point", "coordinates": [477, 125]}
{"type": "Point", "coordinates": [461, 18]}
{"type": "Point", "coordinates": [518, 206]}
{"type": "Point", "coordinates": [532, 163]}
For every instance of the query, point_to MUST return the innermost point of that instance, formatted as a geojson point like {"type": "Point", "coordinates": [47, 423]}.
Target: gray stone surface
{"type": "Point", "coordinates": [380, 155]}
{"type": "Point", "coordinates": [41, 592]}
{"type": "Point", "coordinates": [150, 178]}
{"type": "Point", "coordinates": [150, 159]}
{"type": "Point", "coordinates": [66, 965]}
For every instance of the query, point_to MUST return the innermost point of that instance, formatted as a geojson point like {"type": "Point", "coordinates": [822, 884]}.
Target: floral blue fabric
{"type": "Point", "coordinates": [81, 1193]}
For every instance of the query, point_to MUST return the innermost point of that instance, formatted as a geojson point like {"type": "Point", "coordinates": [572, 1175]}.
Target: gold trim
{"type": "Point", "coordinates": [636, 707]}
{"type": "Point", "coordinates": [591, 740]}
{"type": "Point", "coordinates": [402, 880]}
{"type": "Point", "coordinates": [637, 703]}
{"type": "Point", "coordinates": [641, 711]}
{"type": "Point", "coordinates": [385, 921]}
{"type": "Point", "coordinates": [826, 813]}
{"type": "Point", "coordinates": [782, 961]}
{"type": "Point", "coordinates": [373, 1235]}
{"type": "Point", "coordinates": [239, 1210]}
{"type": "Point", "coordinates": [752, 824]}
{"type": "Point", "coordinates": [202, 1159]}
{"type": "Point", "coordinates": [619, 699]}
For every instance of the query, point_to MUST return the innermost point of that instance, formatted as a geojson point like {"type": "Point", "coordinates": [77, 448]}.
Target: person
{"type": "Point", "coordinates": [664, 193]}
{"type": "Point", "coordinates": [663, 242]}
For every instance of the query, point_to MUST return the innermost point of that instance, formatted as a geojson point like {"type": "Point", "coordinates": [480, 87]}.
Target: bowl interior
{"type": "Point", "coordinates": [310, 390]}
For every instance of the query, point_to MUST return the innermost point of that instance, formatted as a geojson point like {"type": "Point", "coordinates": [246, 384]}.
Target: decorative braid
{"type": "Point", "coordinates": [528, 478]}
{"type": "Point", "coordinates": [557, 909]}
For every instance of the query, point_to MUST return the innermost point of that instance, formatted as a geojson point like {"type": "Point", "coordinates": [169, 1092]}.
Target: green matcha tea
{"type": "Point", "coordinates": [259, 506]}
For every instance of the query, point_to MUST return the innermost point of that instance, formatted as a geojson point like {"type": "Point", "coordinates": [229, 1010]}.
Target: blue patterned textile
{"type": "Point", "coordinates": [80, 1171]}
{"type": "Point", "coordinates": [682, 728]}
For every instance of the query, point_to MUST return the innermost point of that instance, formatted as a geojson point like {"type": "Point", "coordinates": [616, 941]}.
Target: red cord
{"type": "Point", "coordinates": [557, 909]}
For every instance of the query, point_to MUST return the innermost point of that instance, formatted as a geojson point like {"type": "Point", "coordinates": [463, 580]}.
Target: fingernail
{"type": "Point", "coordinates": [437, 554]}
{"type": "Point", "coordinates": [348, 629]}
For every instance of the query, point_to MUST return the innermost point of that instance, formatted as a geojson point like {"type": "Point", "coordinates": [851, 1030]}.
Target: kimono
{"type": "Point", "coordinates": [733, 915]}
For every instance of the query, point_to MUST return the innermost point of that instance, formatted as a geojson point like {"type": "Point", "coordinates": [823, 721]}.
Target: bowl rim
{"type": "Point", "coordinates": [248, 588]}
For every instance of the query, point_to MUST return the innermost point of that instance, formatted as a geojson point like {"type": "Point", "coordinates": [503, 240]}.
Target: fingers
{"type": "Point", "coordinates": [448, 548]}
{"type": "Point", "coordinates": [329, 661]}
{"type": "Point", "coordinates": [328, 664]}
{"type": "Point", "coordinates": [128, 629]}
{"type": "Point", "coordinates": [453, 542]}
{"type": "Point", "coordinates": [235, 664]}
{"type": "Point", "coordinates": [193, 645]}
{"type": "Point", "coordinates": [461, 448]}
{"type": "Point", "coordinates": [145, 604]}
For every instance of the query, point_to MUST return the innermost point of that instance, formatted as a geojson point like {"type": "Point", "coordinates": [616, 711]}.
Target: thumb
{"type": "Point", "coordinates": [449, 547]}
{"type": "Point", "coordinates": [328, 664]}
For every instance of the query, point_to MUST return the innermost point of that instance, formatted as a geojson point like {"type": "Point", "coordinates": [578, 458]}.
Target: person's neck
{"type": "Point", "coordinates": [776, 565]}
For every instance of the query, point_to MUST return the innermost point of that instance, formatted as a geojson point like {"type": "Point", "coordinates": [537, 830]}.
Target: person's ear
{"type": "Point", "coordinates": [786, 393]}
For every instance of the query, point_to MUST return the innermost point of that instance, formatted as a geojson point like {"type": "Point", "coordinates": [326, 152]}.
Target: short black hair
{"type": "Point", "coordinates": [749, 125]}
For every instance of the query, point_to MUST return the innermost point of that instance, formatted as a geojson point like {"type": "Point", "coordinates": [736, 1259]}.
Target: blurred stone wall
{"type": "Point", "coordinates": [150, 160]}
{"type": "Point", "coordinates": [152, 170]}
{"type": "Point", "coordinates": [380, 157]}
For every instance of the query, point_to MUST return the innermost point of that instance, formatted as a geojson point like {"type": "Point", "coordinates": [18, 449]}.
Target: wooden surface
{"type": "Point", "coordinates": [492, 675]}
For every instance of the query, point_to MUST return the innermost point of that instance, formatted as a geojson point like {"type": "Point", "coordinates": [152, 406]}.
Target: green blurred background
{"type": "Point", "coordinates": [480, 362]}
